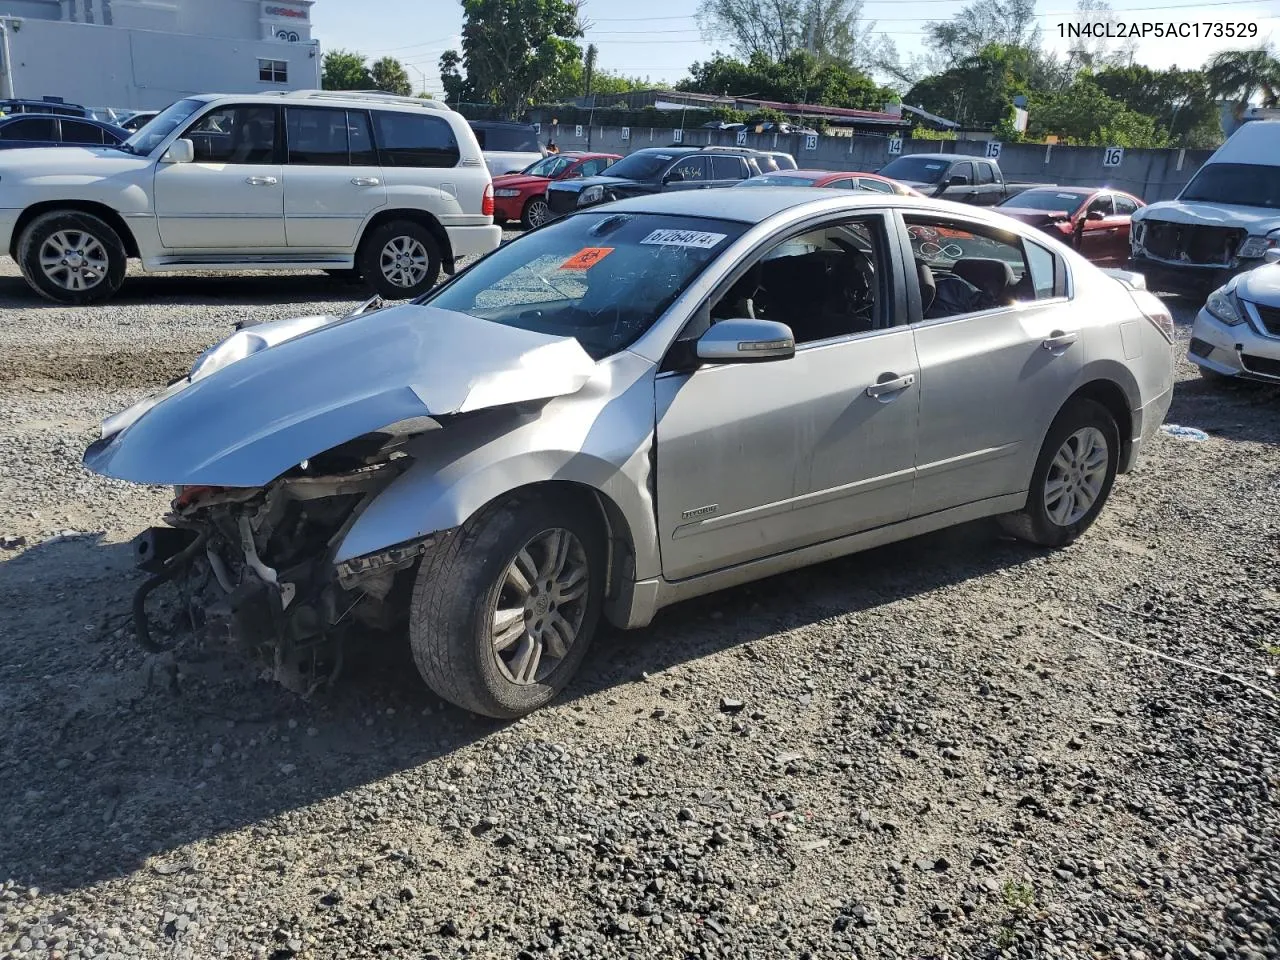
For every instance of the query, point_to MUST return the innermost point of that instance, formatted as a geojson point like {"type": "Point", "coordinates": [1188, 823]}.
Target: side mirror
{"type": "Point", "coordinates": [746, 341]}
{"type": "Point", "coordinates": [1272, 255]}
{"type": "Point", "coordinates": [1095, 215]}
{"type": "Point", "coordinates": [958, 180]}
{"type": "Point", "coordinates": [674, 177]}
{"type": "Point", "coordinates": [180, 151]}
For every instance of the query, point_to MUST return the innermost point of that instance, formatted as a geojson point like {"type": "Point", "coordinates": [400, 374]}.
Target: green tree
{"type": "Point", "coordinates": [515, 53]}
{"type": "Point", "coordinates": [979, 91]}
{"type": "Point", "coordinates": [1082, 114]}
{"type": "Point", "coordinates": [589, 67]}
{"type": "Point", "coordinates": [389, 75]}
{"type": "Point", "coordinates": [799, 77]}
{"type": "Point", "coordinates": [983, 24]}
{"type": "Point", "coordinates": [345, 70]}
{"type": "Point", "coordinates": [1241, 75]}
{"type": "Point", "coordinates": [832, 30]}
{"type": "Point", "coordinates": [605, 84]}
{"type": "Point", "coordinates": [1178, 101]}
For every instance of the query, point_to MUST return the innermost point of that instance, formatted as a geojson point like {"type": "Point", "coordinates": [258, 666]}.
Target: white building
{"type": "Point", "coordinates": [144, 54]}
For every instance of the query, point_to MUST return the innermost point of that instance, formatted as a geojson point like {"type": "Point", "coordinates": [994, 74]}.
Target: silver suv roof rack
{"type": "Point", "coordinates": [375, 96]}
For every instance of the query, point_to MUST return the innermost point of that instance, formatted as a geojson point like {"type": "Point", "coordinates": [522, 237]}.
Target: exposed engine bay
{"type": "Point", "coordinates": [256, 567]}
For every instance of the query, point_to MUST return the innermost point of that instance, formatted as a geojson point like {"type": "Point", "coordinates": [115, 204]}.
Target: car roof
{"type": "Point", "coordinates": [761, 203]}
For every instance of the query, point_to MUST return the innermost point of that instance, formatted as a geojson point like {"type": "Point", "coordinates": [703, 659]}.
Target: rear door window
{"type": "Point", "coordinates": [728, 168]}
{"type": "Point", "coordinates": [410, 140]}
{"type": "Point", "coordinates": [76, 131]}
{"type": "Point", "coordinates": [32, 128]}
{"type": "Point", "coordinates": [317, 137]}
{"type": "Point", "coordinates": [507, 139]}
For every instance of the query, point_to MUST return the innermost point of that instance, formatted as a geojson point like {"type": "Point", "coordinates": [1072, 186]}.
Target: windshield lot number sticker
{"type": "Point", "coordinates": [586, 258]}
{"type": "Point", "coordinates": [1113, 156]}
{"type": "Point", "coordinates": [684, 238]}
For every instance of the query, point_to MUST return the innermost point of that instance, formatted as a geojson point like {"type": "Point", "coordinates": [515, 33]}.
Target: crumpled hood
{"type": "Point", "coordinates": [1261, 285]}
{"type": "Point", "coordinates": [1259, 221]}
{"type": "Point", "coordinates": [257, 417]}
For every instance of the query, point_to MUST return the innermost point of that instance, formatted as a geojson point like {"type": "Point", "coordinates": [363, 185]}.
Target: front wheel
{"type": "Point", "coordinates": [69, 256]}
{"type": "Point", "coordinates": [505, 607]}
{"type": "Point", "coordinates": [399, 260]}
{"type": "Point", "coordinates": [536, 213]}
{"type": "Point", "coordinates": [1072, 478]}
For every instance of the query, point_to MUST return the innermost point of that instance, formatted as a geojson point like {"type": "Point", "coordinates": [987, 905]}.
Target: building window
{"type": "Point", "coordinates": [273, 71]}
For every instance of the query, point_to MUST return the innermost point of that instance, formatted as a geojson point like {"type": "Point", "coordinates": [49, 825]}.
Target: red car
{"type": "Point", "coordinates": [1094, 220]}
{"type": "Point", "coordinates": [523, 196]}
{"type": "Point", "coordinates": [831, 179]}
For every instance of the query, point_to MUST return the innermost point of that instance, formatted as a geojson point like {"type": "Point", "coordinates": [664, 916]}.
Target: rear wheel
{"type": "Point", "coordinates": [505, 608]}
{"type": "Point", "coordinates": [536, 213]}
{"type": "Point", "coordinates": [400, 259]}
{"type": "Point", "coordinates": [1072, 478]}
{"type": "Point", "coordinates": [72, 257]}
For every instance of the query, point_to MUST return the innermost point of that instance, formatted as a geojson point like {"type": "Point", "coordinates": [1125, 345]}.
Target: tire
{"type": "Point", "coordinates": [1081, 426]}
{"type": "Point", "coordinates": [399, 238]}
{"type": "Point", "coordinates": [463, 582]}
{"type": "Point", "coordinates": [536, 212]}
{"type": "Point", "coordinates": [98, 264]}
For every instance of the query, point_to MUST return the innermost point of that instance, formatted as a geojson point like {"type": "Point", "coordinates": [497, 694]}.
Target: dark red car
{"type": "Point", "coordinates": [1094, 220]}
{"type": "Point", "coordinates": [523, 196]}
{"type": "Point", "coordinates": [832, 180]}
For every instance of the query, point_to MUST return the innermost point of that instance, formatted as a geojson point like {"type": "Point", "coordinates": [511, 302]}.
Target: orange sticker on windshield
{"type": "Point", "coordinates": [586, 258]}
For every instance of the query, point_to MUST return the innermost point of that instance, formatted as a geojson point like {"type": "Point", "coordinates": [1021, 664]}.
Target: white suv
{"type": "Point", "coordinates": [390, 189]}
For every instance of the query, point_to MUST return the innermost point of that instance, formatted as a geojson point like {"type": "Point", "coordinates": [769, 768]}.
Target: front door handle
{"type": "Point", "coordinates": [365, 181]}
{"type": "Point", "coordinates": [1059, 340]}
{"type": "Point", "coordinates": [895, 385]}
{"type": "Point", "coordinates": [261, 181]}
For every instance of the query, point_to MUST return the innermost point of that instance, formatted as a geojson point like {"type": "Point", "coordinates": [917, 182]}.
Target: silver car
{"type": "Point", "coordinates": [640, 403]}
{"type": "Point", "coordinates": [1237, 331]}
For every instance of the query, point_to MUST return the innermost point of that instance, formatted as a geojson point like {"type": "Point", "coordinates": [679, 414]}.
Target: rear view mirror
{"type": "Point", "coordinates": [180, 151]}
{"type": "Point", "coordinates": [746, 341]}
{"type": "Point", "coordinates": [674, 177]}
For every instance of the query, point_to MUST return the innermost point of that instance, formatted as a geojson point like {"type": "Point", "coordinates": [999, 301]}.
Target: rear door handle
{"type": "Point", "coordinates": [365, 181]}
{"type": "Point", "coordinates": [261, 181]}
{"type": "Point", "coordinates": [884, 387]}
{"type": "Point", "coordinates": [1059, 341]}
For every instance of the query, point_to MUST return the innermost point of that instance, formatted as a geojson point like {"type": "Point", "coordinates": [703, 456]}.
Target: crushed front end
{"type": "Point", "coordinates": [255, 566]}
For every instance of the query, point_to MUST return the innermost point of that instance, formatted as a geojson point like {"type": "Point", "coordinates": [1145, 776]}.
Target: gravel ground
{"type": "Point", "coordinates": [938, 749]}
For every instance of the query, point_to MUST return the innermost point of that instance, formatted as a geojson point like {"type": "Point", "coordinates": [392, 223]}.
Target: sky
{"type": "Point", "coordinates": [660, 38]}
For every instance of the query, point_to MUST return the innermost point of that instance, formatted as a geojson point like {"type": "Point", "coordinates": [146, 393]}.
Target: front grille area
{"type": "Point", "coordinates": [1191, 244]}
{"type": "Point", "coordinates": [1263, 365]}
{"type": "Point", "coordinates": [1270, 317]}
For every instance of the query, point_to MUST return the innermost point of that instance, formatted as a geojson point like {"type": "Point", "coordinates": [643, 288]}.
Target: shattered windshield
{"type": "Point", "coordinates": [601, 278]}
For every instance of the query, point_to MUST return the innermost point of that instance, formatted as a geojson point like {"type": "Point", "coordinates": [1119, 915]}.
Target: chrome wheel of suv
{"type": "Point", "coordinates": [74, 259]}
{"type": "Point", "coordinates": [404, 262]}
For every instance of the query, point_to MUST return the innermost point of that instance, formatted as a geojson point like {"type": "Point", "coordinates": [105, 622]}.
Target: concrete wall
{"type": "Point", "coordinates": [1149, 174]}
{"type": "Point", "coordinates": [140, 69]}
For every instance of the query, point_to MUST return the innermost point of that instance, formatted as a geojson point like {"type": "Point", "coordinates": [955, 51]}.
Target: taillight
{"type": "Point", "coordinates": [486, 205]}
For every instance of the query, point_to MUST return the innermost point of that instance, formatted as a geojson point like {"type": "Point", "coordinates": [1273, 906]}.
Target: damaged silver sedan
{"type": "Point", "coordinates": [634, 405]}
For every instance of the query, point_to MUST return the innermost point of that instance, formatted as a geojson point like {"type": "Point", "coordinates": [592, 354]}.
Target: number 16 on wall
{"type": "Point", "coordinates": [1112, 156]}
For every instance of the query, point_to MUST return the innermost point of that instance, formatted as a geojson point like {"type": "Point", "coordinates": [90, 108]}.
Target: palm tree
{"type": "Point", "coordinates": [1240, 75]}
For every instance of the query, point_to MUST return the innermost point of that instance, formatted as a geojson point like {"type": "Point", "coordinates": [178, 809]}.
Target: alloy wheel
{"type": "Point", "coordinates": [538, 213]}
{"type": "Point", "coordinates": [541, 604]}
{"type": "Point", "coordinates": [74, 260]}
{"type": "Point", "coordinates": [1076, 476]}
{"type": "Point", "coordinates": [404, 262]}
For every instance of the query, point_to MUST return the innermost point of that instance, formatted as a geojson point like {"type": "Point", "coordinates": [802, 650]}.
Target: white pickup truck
{"type": "Point", "coordinates": [392, 189]}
